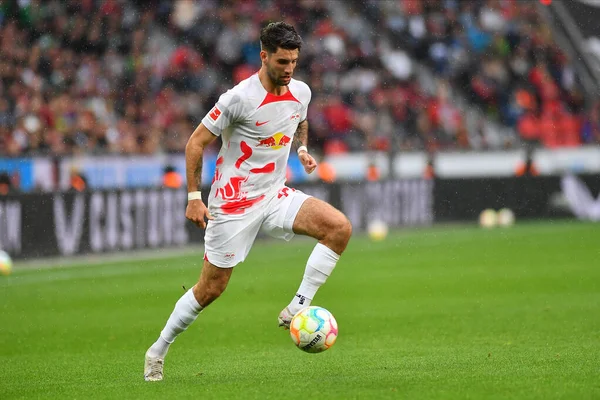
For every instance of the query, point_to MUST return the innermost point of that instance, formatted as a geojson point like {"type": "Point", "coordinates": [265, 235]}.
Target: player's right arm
{"type": "Point", "coordinates": [196, 210]}
{"type": "Point", "coordinates": [224, 113]}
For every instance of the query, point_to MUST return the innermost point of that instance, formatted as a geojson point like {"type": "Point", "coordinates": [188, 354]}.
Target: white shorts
{"type": "Point", "coordinates": [228, 241]}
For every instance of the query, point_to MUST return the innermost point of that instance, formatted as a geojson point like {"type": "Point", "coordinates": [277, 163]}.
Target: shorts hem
{"type": "Point", "coordinates": [221, 265]}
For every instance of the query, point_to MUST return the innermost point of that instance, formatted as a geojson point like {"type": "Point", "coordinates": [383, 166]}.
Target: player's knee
{"type": "Point", "coordinates": [339, 234]}
{"type": "Point", "coordinates": [345, 230]}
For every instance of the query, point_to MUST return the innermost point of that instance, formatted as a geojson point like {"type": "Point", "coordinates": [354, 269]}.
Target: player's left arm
{"type": "Point", "coordinates": [300, 142]}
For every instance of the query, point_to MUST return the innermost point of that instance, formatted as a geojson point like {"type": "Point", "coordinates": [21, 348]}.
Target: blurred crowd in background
{"type": "Point", "coordinates": [136, 77]}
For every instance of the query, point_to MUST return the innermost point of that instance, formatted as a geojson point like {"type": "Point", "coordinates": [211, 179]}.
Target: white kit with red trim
{"type": "Point", "coordinates": [257, 129]}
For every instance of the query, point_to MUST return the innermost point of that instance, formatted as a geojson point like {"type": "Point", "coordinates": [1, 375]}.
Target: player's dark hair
{"type": "Point", "coordinates": [279, 35]}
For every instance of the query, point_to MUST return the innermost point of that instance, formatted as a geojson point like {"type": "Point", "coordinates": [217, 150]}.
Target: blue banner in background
{"type": "Point", "coordinates": [20, 170]}
{"type": "Point", "coordinates": [296, 169]}
{"type": "Point", "coordinates": [101, 176]}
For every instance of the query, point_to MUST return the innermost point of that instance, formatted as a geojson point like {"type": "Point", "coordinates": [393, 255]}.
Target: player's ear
{"type": "Point", "coordinates": [263, 56]}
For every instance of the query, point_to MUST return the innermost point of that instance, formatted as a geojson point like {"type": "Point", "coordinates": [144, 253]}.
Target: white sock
{"type": "Point", "coordinates": [186, 311]}
{"type": "Point", "coordinates": [320, 264]}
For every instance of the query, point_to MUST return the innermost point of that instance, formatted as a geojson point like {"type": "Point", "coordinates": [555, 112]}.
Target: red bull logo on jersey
{"type": "Point", "coordinates": [277, 141]}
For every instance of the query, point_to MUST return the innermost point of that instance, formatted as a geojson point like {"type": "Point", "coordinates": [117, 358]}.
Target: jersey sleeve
{"type": "Point", "coordinates": [307, 96]}
{"type": "Point", "coordinates": [226, 112]}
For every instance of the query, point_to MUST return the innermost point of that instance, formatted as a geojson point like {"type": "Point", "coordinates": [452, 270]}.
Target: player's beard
{"type": "Point", "coordinates": [275, 79]}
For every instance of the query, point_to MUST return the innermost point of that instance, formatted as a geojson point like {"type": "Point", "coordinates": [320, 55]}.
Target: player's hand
{"type": "Point", "coordinates": [307, 161]}
{"type": "Point", "coordinates": [196, 212]}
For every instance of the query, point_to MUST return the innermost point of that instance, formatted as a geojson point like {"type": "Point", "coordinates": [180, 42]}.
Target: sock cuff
{"type": "Point", "coordinates": [191, 299]}
{"type": "Point", "coordinates": [323, 259]}
{"type": "Point", "coordinates": [327, 252]}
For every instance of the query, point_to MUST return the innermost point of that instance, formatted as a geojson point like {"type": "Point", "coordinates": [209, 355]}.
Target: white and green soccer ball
{"type": "Point", "coordinates": [313, 329]}
{"type": "Point", "coordinates": [5, 263]}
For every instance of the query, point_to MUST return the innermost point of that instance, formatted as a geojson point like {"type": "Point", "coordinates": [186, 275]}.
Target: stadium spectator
{"type": "Point", "coordinates": [527, 167]}
{"type": "Point", "coordinates": [171, 178]}
{"type": "Point", "coordinates": [429, 170]}
{"type": "Point", "coordinates": [6, 186]}
{"type": "Point", "coordinates": [326, 172]}
{"type": "Point", "coordinates": [373, 173]}
{"type": "Point", "coordinates": [77, 181]}
{"type": "Point", "coordinates": [591, 126]}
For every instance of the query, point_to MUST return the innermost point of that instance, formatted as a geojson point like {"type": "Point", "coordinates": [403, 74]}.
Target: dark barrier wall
{"type": "Point", "coordinates": [464, 199]}
{"type": "Point", "coordinates": [529, 198]}
{"type": "Point", "coordinates": [35, 225]}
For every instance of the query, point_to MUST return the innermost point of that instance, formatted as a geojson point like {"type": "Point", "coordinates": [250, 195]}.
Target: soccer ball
{"type": "Point", "coordinates": [313, 329]}
{"type": "Point", "coordinates": [488, 218]}
{"type": "Point", "coordinates": [377, 230]}
{"type": "Point", "coordinates": [5, 263]}
{"type": "Point", "coordinates": [506, 217]}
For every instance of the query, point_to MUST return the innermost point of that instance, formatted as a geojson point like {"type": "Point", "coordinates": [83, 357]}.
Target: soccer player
{"type": "Point", "coordinates": [258, 120]}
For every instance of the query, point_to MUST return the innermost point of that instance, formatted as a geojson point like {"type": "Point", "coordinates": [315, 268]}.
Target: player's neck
{"type": "Point", "coordinates": [269, 86]}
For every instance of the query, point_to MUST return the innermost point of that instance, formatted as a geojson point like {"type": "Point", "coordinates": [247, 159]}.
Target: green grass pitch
{"type": "Point", "coordinates": [449, 312]}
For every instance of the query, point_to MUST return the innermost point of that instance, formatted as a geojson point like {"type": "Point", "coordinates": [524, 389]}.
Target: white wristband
{"type": "Point", "coordinates": [302, 148]}
{"type": "Point", "coordinates": [195, 195]}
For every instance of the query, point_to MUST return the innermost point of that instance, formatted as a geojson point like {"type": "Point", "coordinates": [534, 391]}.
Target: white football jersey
{"type": "Point", "coordinates": [257, 129]}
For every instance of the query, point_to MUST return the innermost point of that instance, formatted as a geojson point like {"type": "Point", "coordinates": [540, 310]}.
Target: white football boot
{"type": "Point", "coordinates": [285, 318]}
{"type": "Point", "coordinates": [153, 369]}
